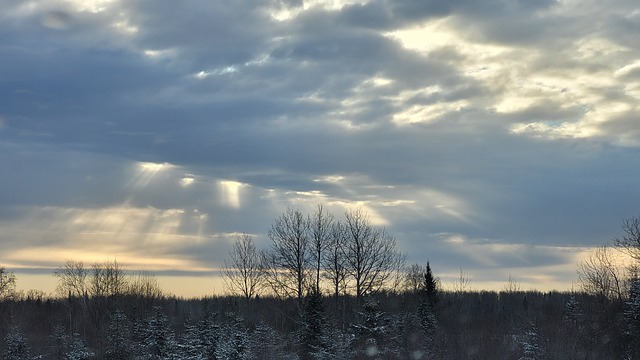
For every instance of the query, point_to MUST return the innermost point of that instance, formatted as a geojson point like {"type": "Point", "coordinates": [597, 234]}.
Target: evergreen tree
{"type": "Point", "coordinates": [313, 327]}
{"type": "Point", "coordinates": [372, 331]}
{"type": "Point", "coordinates": [60, 342]}
{"type": "Point", "coordinates": [118, 337]}
{"type": "Point", "coordinates": [159, 342]}
{"type": "Point", "coordinates": [265, 344]}
{"type": "Point", "coordinates": [572, 310]}
{"type": "Point", "coordinates": [427, 308]}
{"type": "Point", "coordinates": [530, 345]}
{"type": "Point", "coordinates": [209, 334]}
{"type": "Point", "coordinates": [233, 340]}
{"type": "Point", "coordinates": [15, 346]}
{"type": "Point", "coordinates": [191, 346]}
{"type": "Point", "coordinates": [77, 349]}
{"type": "Point", "coordinates": [632, 317]}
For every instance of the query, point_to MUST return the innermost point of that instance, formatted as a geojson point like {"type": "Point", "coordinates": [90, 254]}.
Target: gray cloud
{"type": "Point", "coordinates": [129, 126]}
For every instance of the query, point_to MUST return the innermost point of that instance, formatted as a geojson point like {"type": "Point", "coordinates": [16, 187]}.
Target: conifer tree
{"type": "Point", "coordinates": [15, 346]}
{"type": "Point", "coordinates": [427, 310]}
{"type": "Point", "coordinates": [632, 317]}
{"type": "Point", "coordinates": [313, 327]}
{"type": "Point", "coordinates": [233, 340]}
{"type": "Point", "coordinates": [530, 345]}
{"type": "Point", "coordinates": [209, 334]}
{"type": "Point", "coordinates": [159, 342]}
{"type": "Point", "coordinates": [191, 346]}
{"type": "Point", "coordinates": [118, 337]}
{"type": "Point", "coordinates": [371, 330]}
{"type": "Point", "coordinates": [78, 349]}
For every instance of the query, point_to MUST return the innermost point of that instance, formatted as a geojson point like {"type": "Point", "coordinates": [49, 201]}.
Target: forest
{"type": "Point", "coordinates": [326, 288]}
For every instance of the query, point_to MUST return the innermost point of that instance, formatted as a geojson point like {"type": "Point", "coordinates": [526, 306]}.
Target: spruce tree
{"type": "Point", "coordinates": [313, 327]}
{"type": "Point", "coordinates": [427, 310]}
{"type": "Point", "coordinates": [159, 342]}
{"type": "Point", "coordinates": [632, 318]}
{"type": "Point", "coordinates": [234, 340]}
{"type": "Point", "coordinates": [118, 337]}
{"type": "Point", "coordinates": [78, 349]}
{"type": "Point", "coordinates": [15, 346]}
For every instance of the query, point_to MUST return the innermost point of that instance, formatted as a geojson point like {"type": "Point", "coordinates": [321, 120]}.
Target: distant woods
{"type": "Point", "coordinates": [326, 288]}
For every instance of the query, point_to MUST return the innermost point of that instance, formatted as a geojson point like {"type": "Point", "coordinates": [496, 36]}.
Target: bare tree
{"type": "Point", "coordinates": [108, 279]}
{"type": "Point", "coordinates": [601, 274]}
{"type": "Point", "coordinates": [512, 285]}
{"type": "Point", "coordinates": [289, 258]}
{"type": "Point", "coordinates": [7, 284]}
{"type": "Point", "coordinates": [72, 279]}
{"type": "Point", "coordinates": [243, 273]}
{"type": "Point", "coordinates": [462, 283]}
{"type": "Point", "coordinates": [144, 284]}
{"type": "Point", "coordinates": [334, 261]}
{"type": "Point", "coordinates": [320, 224]}
{"type": "Point", "coordinates": [371, 256]}
{"type": "Point", "coordinates": [629, 243]}
{"type": "Point", "coordinates": [413, 278]}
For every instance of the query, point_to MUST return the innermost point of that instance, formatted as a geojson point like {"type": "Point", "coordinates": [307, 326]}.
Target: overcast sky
{"type": "Point", "coordinates": [498, 137]}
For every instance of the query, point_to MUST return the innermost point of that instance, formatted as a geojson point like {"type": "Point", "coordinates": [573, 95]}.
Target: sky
{"type": "Point", "coordinates": [499, 138]}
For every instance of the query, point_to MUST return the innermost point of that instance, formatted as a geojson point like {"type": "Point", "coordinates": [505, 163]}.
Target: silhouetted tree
{"type": "Point", "coordinates": [244, 273]}
{"type": "Point", "coordinates": [320, 227]}
{"type": "Point", "coordinates": [601, 274]}
{"type": "Point", "coordinates": [72, 279]}
{"type": "Point", "coordinates": [630, 240]}
{"type": "Point", "coordinates": [371, 257]}
{"type": "Point", "coordinates": [335, 263]}
{"type": "Point", "coordinates": [290, 254]}
{"type": "Point", "coordinates": [7, 284]}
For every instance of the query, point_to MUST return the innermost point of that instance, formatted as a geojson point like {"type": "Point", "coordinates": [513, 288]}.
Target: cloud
{"type": "Point", "coordinates": [184, 124]}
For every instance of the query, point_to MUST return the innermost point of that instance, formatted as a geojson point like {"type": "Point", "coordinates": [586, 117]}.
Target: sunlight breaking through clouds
{"type": "Point", "coordinates": [134, 129]}
{"type": "Point", "coordinates": [231, 193]}
{"type": "Point", "coordinates": [145, 172]}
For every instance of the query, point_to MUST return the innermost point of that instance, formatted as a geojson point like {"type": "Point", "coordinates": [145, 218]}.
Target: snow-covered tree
{"type": "Point", "coordinates": [77, 349]}
{"type": "Point", "coordinates": [632, 317]}
{"type": "Point", "coordinates": [265, 344]}
{"type": "Point", "coordinates": [313, 327]}
{"type": "Point", "coordinates": [374, 336]}
{"type": "Point", "coordinates": [191, 345]}
{"type": "Point", "coordinates": [209, 333]}
{"type": "Point", "coordinates": [530, 345]}
{"type": "Point", "coordinates": [572, 310]}
{"type": "Point", "coordinates": [60, 342]}
{"type": "Point", "coordinates": [15, 346]}
{"type": "Point", "coordinates": [159, 340]}
{"type": "Point", "coordinates": [234, 340]}
{"type": "Point", "coordinates": [118, 337]}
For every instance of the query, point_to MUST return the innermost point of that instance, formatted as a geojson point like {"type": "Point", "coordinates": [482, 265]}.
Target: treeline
{"type": "Point", "coordinates": [459, 325]}
{"type": "Point", "coordinates": [326, 288]}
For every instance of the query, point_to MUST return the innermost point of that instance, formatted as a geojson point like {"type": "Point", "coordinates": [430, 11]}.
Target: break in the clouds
{"type": "Point", "coordinates": [499, 137]}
